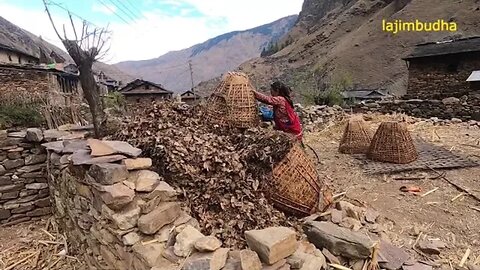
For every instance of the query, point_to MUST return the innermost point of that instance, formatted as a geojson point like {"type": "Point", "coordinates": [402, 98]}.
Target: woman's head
{"type": "Point", "coordinates": [280, 89]}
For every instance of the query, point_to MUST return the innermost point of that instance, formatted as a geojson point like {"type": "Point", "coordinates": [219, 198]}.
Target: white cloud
{"type": "Point", "coordinates": [156, 33]}
{"type": "Point", "coordinates": [105, 9]}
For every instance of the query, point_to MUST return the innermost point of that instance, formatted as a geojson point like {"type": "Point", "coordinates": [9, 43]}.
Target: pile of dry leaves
{"type": "Point", "coordinates": [223, 172]}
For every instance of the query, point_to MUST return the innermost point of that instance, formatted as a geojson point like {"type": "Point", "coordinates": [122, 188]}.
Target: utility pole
{"type": "Point", "coordinates": [191, 77]}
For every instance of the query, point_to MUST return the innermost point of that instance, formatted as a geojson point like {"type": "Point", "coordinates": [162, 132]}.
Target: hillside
{"type": "Point", "coordinates": [209, 59]}
{"type": "Point", "coordinates": [22, 40]}
{"type": "Point", "coordinates": [344, 39]}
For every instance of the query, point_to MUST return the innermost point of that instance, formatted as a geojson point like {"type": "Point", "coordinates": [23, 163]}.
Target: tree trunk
{"type": "Point", "coordinates": [92, 94]}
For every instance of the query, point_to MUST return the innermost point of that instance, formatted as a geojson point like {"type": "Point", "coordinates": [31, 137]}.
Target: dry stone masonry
{"type": "Point", "coordinates": [24, 193]}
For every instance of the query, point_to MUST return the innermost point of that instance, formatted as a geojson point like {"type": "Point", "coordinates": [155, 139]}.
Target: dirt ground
{"type": "Point", "coordinates": [434, 216]}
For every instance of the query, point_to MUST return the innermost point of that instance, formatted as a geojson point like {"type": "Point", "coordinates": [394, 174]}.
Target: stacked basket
{"type": "Point", "coordinates": [233, 102]}
{"type": "Point", "coordinates": [356, 137]}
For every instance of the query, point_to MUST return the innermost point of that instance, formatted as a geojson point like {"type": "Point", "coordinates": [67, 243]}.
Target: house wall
{"type": "Point", "coordinates": [442, 76]}
{"type": "Point", "coordinates": [15, 58]}
{"type": "Point", "coordinates": [134, 99]}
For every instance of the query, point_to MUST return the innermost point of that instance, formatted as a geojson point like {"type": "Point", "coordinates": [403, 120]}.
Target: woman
{"type": "Point", "coordinates": [284, 116]}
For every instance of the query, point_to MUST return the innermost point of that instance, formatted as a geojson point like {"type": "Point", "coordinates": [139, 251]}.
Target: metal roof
{"type": "Point", "coordinates": [474, 77]}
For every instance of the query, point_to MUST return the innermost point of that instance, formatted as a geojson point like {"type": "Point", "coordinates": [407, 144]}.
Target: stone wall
{"type": "Point", "coordinates": [24, 193]}
{"type": "Point", "coordinates": [441, 77]}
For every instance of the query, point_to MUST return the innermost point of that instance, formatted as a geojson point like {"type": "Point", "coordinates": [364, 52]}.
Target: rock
{"type": "Point", "coordinates": [35, 159]}
{"type": "Point", "coordinates": [330, 257]}
{"type": "Point", "coordinates": [312, 262]}
{"type": "Point", "coordinates": [164, 214]}
{"type": "Point", "coordinates": [276, 266]}
{"type": "Point", "coordinates": [149, 253]}
{"type": "Point", "coordinates": [13, 164]}
{"type": "Point", "coordinates": [9, 195]}
{"type": "Point", "coordinates": [371, 215]}
{"type": "Point", "coordinates": [108, 174]}
{"type": "Point", "coordinates": [391, 257]}
{"type": "Point", "coordinates": [11, 188]}
{"type": "Point", "coordinates": [337, 216]}
{"type": "Point", "coordinates": [19, 134]}
{"type": "Point", "coordinates": [339, 241]}
{"type": "Point", "coordinates": [137, 163]}
{"type": "Point", "coordinates": [185, 241]}
{"type": "Point", "coordinates": [351, 223]}
{"type": "Point", "coordinates": [56, 147]}
{"type": "Point", "coordinates": [116, 196]}
{"type": "Point", "coordinates": [417, 266]}
{"type": "Point", "coordinates": [145, 180]}
{"type": "Point", "coordinates": [469, 266]}
{"type": "Point", "coordinates": [207, 261]}
{"type": "Point", "coordinates": [4, 214]}
{"type": "Point", "coordinates": [105, 148]}
{"type": "Point", "coordinates": [450, 101]}
{"type": "Point", "coordinates": [169, 254]}
{"type": "Point", "coordinates": [42, 202]}
{"type": "Point", "coordinates": [82, 157]}
{"type": "Point", "coordinates": [431, 246]}
{"type": "Point", "coordinates": [70, 147]}
{"type": "Point", "coordinates": [456, 120]}
{"type": "Point", "coordinates": [15, 155]}
{"type": "Point", "coordinates": [164, 233]}
{"type": "Point", "coordinates": [32, 168]}
{"type": "Point", "coordinates": [208, 244]}
{"type": "Point", "coordinates": [40, 212]}
{"type": "Point", "coordinates": [351, 210]}
{"type": "Point", "coordinates": [23, 209]}
{"type": "Point", "coordinates": [272, 244]}
{"type": "Point", "coordinates": [34, 135]}
{"type": "Point", "coordinates": [2, 170]}
{"type": "Point", "coordinates": [36, 186]}
{"type": "Point", "coordinates": [126, 218]}
{"type": "Point", "coordinates": [249, 260]}
{"type": "Point", "coordinates": [164, 191]}
{"type": "Point", "coordinates": [130, 238]}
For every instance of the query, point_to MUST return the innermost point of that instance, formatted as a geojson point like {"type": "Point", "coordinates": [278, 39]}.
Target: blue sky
{"type": "Point", "coordinates": [144, 29]}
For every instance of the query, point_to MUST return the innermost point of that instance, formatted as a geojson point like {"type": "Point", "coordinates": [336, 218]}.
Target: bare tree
{"type": "Point", "coordinates": [87, 47]}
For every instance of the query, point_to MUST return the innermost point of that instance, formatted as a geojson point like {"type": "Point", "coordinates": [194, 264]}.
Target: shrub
{"type": "Point", "coordinates": [19, 116]}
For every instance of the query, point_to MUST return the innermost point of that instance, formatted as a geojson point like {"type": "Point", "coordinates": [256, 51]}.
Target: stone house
{"type": "Point", "coordinates": [15, 56]}
{"type": "Point", "coordinates": [439, 70]}
{"type": "Point", "coordinates": [474, 80]}
{"type": "Point", "coordinates": [190, 97]}
{"type": "Point", "coordinates": [365, 95]}
{"type": "Point", "coordinates": [140, 91]}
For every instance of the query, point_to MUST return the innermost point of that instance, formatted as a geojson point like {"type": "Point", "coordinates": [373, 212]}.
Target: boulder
{"type": "Point", "coordinates": [185, 241]}
{"type": "Point", "coordinates": [149, 253]}
{"type": "Point", "coordinates": [208, 244]}
{"type": "Point", "coordinates": [249, 260]}
{"type": "Point", "coordinates": [207, 261]}
{"type": "Point", "coordinates": [336, 216]}
{"type": "Point", "coordinates": [164, 214]}
{"type": "Point", "coordinates": [145, 180]}
{"type": "Point", "coordinates": [272, 244]}
{"type": "Point", "coordinates": [169, 254]}
{"type": "Point", "coordinates": [126, 218]}
{"type": "Point", "coordinates": [117, 196]}
{"type": "Point", "coordinates": [311, 262]}
{"type": "Point", "coordinates": [108, 173]}
{"type": "Point", "coordinates": [164, 191]}
{"type": "Point", "coordinates": [130, 238]}
{"type": "Point", "coordinates": [34, 135]}
{"type": "Point", "coordinates": [137, 163]}
{"type": "Point", "coordinates": [339, 241]}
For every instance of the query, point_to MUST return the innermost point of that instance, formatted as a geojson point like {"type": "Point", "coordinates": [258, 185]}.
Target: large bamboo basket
{"type": "Point", "coordinates": [356, 137]}
{"type": "Point", "coordinates": [233, 102]}
{"type": "Point", "coordinates": [296, 189]}
{"type": "Point", "coordinates": [392, 143]}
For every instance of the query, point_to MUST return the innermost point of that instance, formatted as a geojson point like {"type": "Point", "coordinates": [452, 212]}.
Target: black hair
{"type": "Point", "coordinates": [283, 90]}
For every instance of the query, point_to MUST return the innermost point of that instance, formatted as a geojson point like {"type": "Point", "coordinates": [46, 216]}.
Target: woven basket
{"type": "Point", "coordinates": [356, 137]}
{"type": "Point", "coordinates": [233, 102]}
{"type": "Point", "coordinates": [392, 143]}
{"type": "Point", "coordinates": [296, 189]}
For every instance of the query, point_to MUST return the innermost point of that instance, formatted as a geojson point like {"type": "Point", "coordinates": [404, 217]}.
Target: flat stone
{"type": "Point", "coordinates": [105, 148]}
{"type": "Point", "coordinates": [391, 257]}
{"type": "Point", "coordinates": [164, 214]}
{"type": "Point", "coordinates": [54, 134]}
{"type": "Point", "coordinates": [2, 170]}
{"type": "Point", "coordinates": [164, 191]}
{"type": "Point", "coordinates": [272, 244]}
{"type": "Point", "coordinates": [431, 246]}
{"type": "Point", "coordinates": [25, 193]}
{"type": "Point", "coordinates": [417, 266]}
{"type": "Point", "coordinates": [311, 262]}
{"type": "Point", "coordinates": [351, 223]}
{"type": "Point", "coordinates": [35, 159]}
{"type": "Point", "coordinates": [10, 188]}
{"type": "Point", "coordinates": [371, 215]}
{"type": "Point", "coordinates": [31, 168]}
{"type": "Point", "coordinates": [14, 155]}
{"type": "Point", "coordinates": [351, 210]}
{"type": "Point", "coordinates": [9, 195]}
{"type": "Point", "coordinates": [40, 212]}
{"type": "Point", "coordinates": [149, 253]}
{"type": "Point", "coordinates": [169, 254]}
{"type": "Point", "coordinates": [276, 266]}
{"type": "Point", "coordinates": [82, 157]}
{"type": "Point", "coordinates": [145, 180]}
{"type": "Point", "coordinates": [23, 209]}
{"type": "Point", "coordinates": [56, 147]}
{"type": "Point", "coordinates": [137, 163]}
{"type": "Point", "coordinates": [5, 214]}
{"type": "Point", "coordinates": [42, 202]}
{"type": "Point", "coordinates": [13, 164]}
{"type": "Point", "coordinates": [330, 257]}
{"type": "Point", "coordinates": [36, 186]}
{"type": "Point", "coordinates": [131, 238]}
{"type": "Point", "coordinates": [33, 175]}
{"type": "Point", "coordinates": [127, 218]}
{"type": "Point", "coordinates": [185, 241]}
{"type": "Point", "coordinates": [208, 244]}
{"type": "Point", "coordinates": [337, 216]}
{"type": "Point", "coordinates": [182, 219]}
{"type": "Point", "coordinates": [249, 260]}
{"type": "Point", "coordinates": [19, 134]}
{"type": "Point", "coordinates": [70, 147]}
{"type": "Point", "coordinates": [117, 196]}
{"type": "Point", "coordinates": [107, 173]}
{"type": "Point", "coordinates": [207, 261]}
{"type": "Point", "coordinates": [339, 241]}
{"type": "Point", "coordinates": [34, 135]}
{"type": "Point", "coordinates": [164, 233]}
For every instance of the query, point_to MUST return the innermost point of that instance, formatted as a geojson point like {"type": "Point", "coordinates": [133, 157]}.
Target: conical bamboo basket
{"type": "Point", "coordinates": [356, 137]}
{"type": "Point", "coordinates": [233, 102]}
{"type": "Point", "coordinates": [392, 143]}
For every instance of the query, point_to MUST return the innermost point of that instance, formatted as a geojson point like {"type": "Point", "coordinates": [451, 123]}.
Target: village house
{"type": "Point", "coordinates": [365, 95]}
{"type": "Point", "coordinates": [439, 70]}
{"type": "Point", "coordinates": [474, 80]}
{"type": "Point", "coordinates": [190, 97]}
{"type": "Point", "coordinates": [15, 56]}
{"type": "Point", "coordinates": [139, 91]}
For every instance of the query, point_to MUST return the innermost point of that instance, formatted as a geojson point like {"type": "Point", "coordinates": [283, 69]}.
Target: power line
{"type": "Point", "coordinates": [113, 11]}
{"type": "Point", "coordinates": [123, 11]}
{"type": "Point", "coordinates": [52, 3]}
{"type": "Point", "coordinates": [127, 9]}
{"type": "Point", "coordinates": [134, 7]}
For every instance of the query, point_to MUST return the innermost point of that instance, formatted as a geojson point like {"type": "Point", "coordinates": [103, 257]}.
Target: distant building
{"type": "Point", "coordinates": [140, 91]}
{"type": "Point", "coordinates": [9, 55]}
{"type": "Point", "coordinates": [440, 69]}
{"type": "Point", "coordinates": [474, 80]}
{"type": "Point", "coordinates": [190, 97]}
{"type": "Point", "coordinates": [365, 95]}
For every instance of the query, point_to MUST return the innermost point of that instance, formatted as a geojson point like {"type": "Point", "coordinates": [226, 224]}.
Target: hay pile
{"type": "Point", "coordinates": [222, 171]}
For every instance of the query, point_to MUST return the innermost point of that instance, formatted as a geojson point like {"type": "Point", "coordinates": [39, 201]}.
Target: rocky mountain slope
{"type": "Point", "coordinates": [209, 59]}
{"type": "Point", "coordinates": [22, 40]}
{"type": "Point", "coordinates": [344, 39]}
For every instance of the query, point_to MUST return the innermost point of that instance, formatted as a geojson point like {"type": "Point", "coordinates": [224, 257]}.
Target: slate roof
{"type": "Point", "coordinates": [130, 88]}
{"type": "Point", "coordinates": [465, 45]}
